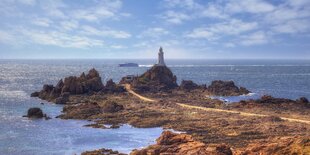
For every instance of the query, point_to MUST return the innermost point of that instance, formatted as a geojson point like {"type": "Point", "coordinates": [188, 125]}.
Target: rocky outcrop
{"type": "Point", "coordinates": [81, 111]}
{"type": "Point", "coordinates": [180, 144]}
{"type": "Point", "coordinates": [102, 152]}
{"type": "Point", "coordinates": [112, 107]}
{"type": "Point", "coordinates": [279, 146]}
{"type": "Point", "coordinates": [70, 86]}
{"type": "Point", "coordinates": [189, 85]}
{"type": "Point", "coordinates": [272, 100]}
{"type": "Point", "coordinates": [112, 87]}
{"type": "Point", "coordinates": [35, 113]}
{"type": "Point", "coordinates": [158, 78]}
{"type": "Point", "coordinates": [226, 88]}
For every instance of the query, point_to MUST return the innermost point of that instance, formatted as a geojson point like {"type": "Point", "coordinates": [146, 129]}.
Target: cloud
{"type": "Point", "coordinates": [89, 30]}
{"type": "Point", "coordinates": [55, 38]}
{"type": "Point", "coordinates": [44, 22]}
{"type": "Point", "coordinates": [105, 9]}
{"type": "Point", "coordinates": [153, 32]}
{"type": "Point", "coordinates": [250, 6]}
{"type": "Point", "coordinates": [256, 38]}
{"type": "Point", "coordinates": [6, 38]}
{"type": "Point", "coordinates": [53, 8]}
{"type": "Point", "coordinates": [69, 25]}
{"type": "Point", "coordinates": [215, 31]}
{"type": "Point", "coordinates": [185, 4]}
{"type": "Point", "coordinates": [174, 17]}
{"type": "Point", "coordinates": [293, 26]}
{"type": "Point", "coordinates": [214, 11]}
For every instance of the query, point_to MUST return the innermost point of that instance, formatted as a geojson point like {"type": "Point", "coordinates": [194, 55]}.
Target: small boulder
{"type": "Point", "coordinates": [35, 113]}
{"type": "Point", "coordinates": [35, 94]}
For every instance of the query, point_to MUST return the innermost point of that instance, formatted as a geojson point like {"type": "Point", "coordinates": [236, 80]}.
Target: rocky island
{"type": "Point", "coordinates": [154, 99]}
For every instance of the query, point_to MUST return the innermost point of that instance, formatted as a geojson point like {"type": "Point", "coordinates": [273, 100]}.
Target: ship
{"type": "Point", "coordinates": [128, 65]}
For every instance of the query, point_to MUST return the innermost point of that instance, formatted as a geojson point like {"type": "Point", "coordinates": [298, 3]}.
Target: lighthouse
{"type": "Point", "coordinates": [161, 61]}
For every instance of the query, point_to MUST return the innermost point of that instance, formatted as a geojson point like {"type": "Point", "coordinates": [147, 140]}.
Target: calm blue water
{"type": "Point", "coordinates": [18, 78]}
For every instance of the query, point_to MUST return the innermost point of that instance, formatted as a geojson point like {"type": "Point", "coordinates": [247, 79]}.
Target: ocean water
{"type": "Point", "coordinates": [19, 78]}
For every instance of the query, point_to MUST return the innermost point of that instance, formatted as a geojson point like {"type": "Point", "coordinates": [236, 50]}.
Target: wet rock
{"type": "Point", "coordinates": [226, 88]}
{"type": "Point", "coordinates": [114, 126]}
{"type": "Point", "coordinates": [179, 144]}
{"type": "Point", "coordinates": [35, 94]}
{"type": "Point", "coordinates": [112, 107]}
{"type": "Point", "coordinates": [102, 152]}
{"type": "Point", "coordinates": [35, 113]}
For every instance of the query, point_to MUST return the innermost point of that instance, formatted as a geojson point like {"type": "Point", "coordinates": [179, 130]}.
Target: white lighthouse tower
{"type": "Point", "coordinates": [161, 61]}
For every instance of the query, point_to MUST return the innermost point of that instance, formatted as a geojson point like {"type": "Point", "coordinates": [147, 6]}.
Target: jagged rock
{"type": "Point", "coordinates": [188, 85]}
{"type": "Point", "coordinates": [180, 144]}
{"type": "Point", "coordinates": [113, 88]}
{"type": "Point", "coordinates": [226, 88]}
{"type": "Point", "coordinates": [71, 85]}
{"type": "Point", "coordinates": [157, 78]}
{"type": "Point", "coordinates": [35, 113]}
{"type": "Point", "coordinates": [112, 107]}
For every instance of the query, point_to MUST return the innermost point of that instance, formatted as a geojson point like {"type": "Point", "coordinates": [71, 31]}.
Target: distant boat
{"type": "Point", "coordinates": [128, 65]}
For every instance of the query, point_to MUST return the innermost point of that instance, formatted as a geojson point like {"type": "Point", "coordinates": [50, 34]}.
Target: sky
{"type": "Point", "coordinates": [135, 29]}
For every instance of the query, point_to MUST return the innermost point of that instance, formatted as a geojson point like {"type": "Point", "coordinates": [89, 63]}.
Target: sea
{"type": "Point", "coordinates": [19, 78]}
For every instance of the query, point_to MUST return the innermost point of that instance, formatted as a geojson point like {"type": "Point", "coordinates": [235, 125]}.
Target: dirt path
{"type": "Point", "coordinates": [128, 88]}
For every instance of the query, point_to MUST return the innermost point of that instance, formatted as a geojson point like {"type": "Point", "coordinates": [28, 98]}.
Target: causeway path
{"type": "Point", "coordinates": [128, 88]}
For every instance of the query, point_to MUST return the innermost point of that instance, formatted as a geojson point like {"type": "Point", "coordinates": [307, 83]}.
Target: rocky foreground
{"type": "Point", "coordinates": [214, 128]}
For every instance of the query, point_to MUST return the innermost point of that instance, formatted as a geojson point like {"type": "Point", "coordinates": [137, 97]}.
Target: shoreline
{"type": "Point", "coordinates": [211, 128]}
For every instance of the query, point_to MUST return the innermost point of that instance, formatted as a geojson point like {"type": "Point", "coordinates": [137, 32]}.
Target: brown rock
{"type": "Point", "coordinates": [81, 111]}
{"type": "Point", "coordinates": [226, 88]}
{"type": "Point", "coordinates": [180, 144]}
{"type": "Point", "coordinates": [188, 85]}
{"type": "Point", "coordinates": [156, 79]}
{"type": "Point", "coordinates": [102, 152]}
{"type": "Point", "coordinates": [112, 107]}
{"type": "Point", "coordinates": [72, 85]}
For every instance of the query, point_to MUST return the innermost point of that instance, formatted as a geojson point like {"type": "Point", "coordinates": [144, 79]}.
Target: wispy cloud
{"type": "Point", "coordinates": [88, 30]}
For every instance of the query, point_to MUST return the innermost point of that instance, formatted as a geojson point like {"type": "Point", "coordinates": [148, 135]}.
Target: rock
{"type": "Point", "coordinates": [35, 113]}
{"type": "Point", "coordinates": [114, 126]}
{"type": "Point", "coordinates": [303, 100]}
{"type": "Point", "coordinates": [188, 85]}
{"type": "Point", "coordinates": [279, 146]}
{"type": "Point", "coordinates": [179, 144]}
{"type": "Point", "coordinates": [112, 107]}
{"type": "Point", "coordinates": [272, 100]}
{"type": "Point", "coordinates": [226, 88]}
{"type": "Point", "coordinates": [112, 87]}
{"type": "Point", "coordinates": [35, 94]}
{"type": "Point", "coordinates": [71, 85]}
{"type": "Point", "coordinates": [102, 152]}
{"type": "Point", "coordinates": [80, 111]}
{"type": "Point", "coordinates": [158, 78]}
